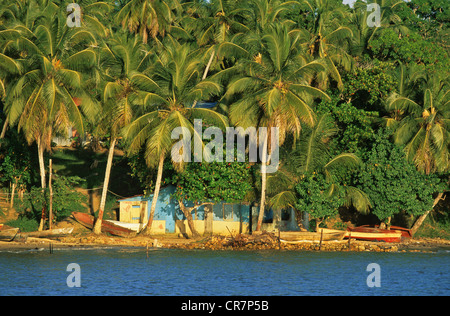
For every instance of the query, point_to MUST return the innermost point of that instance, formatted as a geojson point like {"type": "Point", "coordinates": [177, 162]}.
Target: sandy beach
{"type": "Point", "coordinates": [219, 243]}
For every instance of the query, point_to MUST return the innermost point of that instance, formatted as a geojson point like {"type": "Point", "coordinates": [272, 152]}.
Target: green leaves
{"type": "Point", "coordinates": [213, 182]}
{"type": "Point", "coordinates": [393, 184]}
{"type": "Point", "coordinates": [318, 196]}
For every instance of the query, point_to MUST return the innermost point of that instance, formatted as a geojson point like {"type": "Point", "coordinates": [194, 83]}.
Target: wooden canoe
{"type": "Point", "coordinates": [58, 232]}
{"type": "Point", "coordinates": [366, 234]}
{"type": "Point", "coordinates": [310, 236]}
{"type": "Point", "coordinates": [107, 227]}
{"type": "Point", "coordinates": [8, 233]}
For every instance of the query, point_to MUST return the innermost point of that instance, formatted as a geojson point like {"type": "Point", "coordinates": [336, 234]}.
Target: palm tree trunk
{"type": "Point", "coordinates": [13, 189]}
{"type": "Point", "coordinates": [263, 184]}
{"type": "Point", "coordinates": [5, 126]}
{"type": "Point", "coordinates": [42, 173]}
{"type": "Point", "coordinates": [187, 211]}
{"type": "Point", "coordinates": [422, 218]}
{"type": "Point", "coordinates": [50, 206]}
{"type": "Point", "coordinates": [41, 163]}
{"type": "Point", "coordinates": [98, 222]}
{"type": "Point", "coordinates": [208, 65]}
{"type": "Point", "coordinates": [148, 228]}
{"type": "Point", "coordinates": [205, 73]}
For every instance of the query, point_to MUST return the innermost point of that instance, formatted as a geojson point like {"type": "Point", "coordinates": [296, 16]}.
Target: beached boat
{"type": "Point", "coordinates": [136, 227]}
{"type": "Point", "coordinates": [406, 233]}
{"type": "Point", "coordinates": [53, 233]}
{"type": "Point", "coordinates": [107, 227]}
{"type": "Point", "coordinates": [369, 234]}
{"type": "Point", "coordinates": [310, 236]}
{"type": "Point", "coordinates": [8, 233]}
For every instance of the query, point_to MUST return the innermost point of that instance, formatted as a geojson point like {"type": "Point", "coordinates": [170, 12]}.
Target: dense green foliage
{"type": "Point", "coordinates": [134, 70]}
{"type": "Point", "coordinates": [65, 200]}
{"type": "Point", "coordinates": [213, 182]}
{"type": "Point", "coordinates": [318, 196]}
{"type": "Point", "coordinates": [394, 184]}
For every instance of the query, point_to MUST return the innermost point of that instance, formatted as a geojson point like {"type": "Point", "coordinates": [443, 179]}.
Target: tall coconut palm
{"type": "Point", "coordinates": [168, 106]}
{"type": "Point", "coordinates": [43, 100]}
{"type": "Point", "coordinates": [122, 60]}
{"type": "Point", "coordinates": [272, 90]}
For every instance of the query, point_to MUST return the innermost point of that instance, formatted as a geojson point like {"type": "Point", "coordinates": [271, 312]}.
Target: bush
{"type": "Point", "coordinates": [24, 223]}
{"type": "Point", "coordinates": [65, 200]}
{"type": "Point", "coordinates": [393, 184]}
{"type": "Point", "coordinates": [409, 49]}
{"type": "Point", "coordinates": [318, 196]}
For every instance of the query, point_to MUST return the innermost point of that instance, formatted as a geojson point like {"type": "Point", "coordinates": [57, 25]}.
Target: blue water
{"type": "Point", "coordinates": [128, 271]}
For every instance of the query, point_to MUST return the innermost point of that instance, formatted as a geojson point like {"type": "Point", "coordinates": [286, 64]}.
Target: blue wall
{"type": "Point", "coordinates": [167, 209]}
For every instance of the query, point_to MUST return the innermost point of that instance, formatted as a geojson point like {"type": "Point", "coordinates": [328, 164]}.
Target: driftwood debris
{"type": "Point", "coordinates": [242, 240]}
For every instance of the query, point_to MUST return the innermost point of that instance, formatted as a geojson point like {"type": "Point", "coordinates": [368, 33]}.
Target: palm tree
{"type": "Point", "coordinates": [167, 104]}
{"type": "Point", "coordinates": [122, 60]}
{"type": "Point", "coordinates": [43, 100]}
{"type": "Point", "coordinates": [312, 156]}
{"type": "Point", "coordinates": [215, 25]}
{"type": "Point", "coordinates": [424, 126]}
{"type": "Point", "coordinates": [10, 66]}
{"type": "Point", "coordinates": [148, 17]}
{"type": "Point", "coordinates": [363, 33]}
{"type": "Point", "coordinates": [272, 90]}
{"type": "Point", "coordinates": [265, 13]}
{"type": "Point", "coordinates": [410, 80]}
{"type": "Point", "coordinates": [328, 38]}
{"type": "Point", "coordinates": [11, 13]}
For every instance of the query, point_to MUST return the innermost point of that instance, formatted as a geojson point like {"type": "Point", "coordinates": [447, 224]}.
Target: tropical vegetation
{"type": "Point", "coordinates": [362, 112]}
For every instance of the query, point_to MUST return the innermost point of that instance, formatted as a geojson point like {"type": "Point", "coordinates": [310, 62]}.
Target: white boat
{"type": "Point", "coordinates": [294, 236]}
{"type": "Point", "coordinates": [137, 227]}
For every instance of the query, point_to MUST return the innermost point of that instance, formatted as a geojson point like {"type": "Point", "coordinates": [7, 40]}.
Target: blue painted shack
{"type": "Point", "coordinates": [219, 218]}
{"type": "Point", "coordinates": [136, 210]}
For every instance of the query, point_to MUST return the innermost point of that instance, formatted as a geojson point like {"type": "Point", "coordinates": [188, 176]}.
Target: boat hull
{"type": "Point", "coordinates": [58, 232]}
{"type": "Point", "coordinates": [310, 236]}
{"type": "Point", "coordinates": [107, 227]}
{"type": "Point", "coordinates": [8, 233]}
{"type": "Point", "coordinates": [406, 233]}
{"type": "Point", "coordinates": [136, 227]}
{"type": "Point", "coordinates": [364, 234]}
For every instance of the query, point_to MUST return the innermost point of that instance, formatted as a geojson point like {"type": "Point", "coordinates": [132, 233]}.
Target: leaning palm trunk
{"type": "Point", "coordinates": [42, 173]}
{"type": "Point", "coordinates": [5, 126]}
{"type": "Point", "coordinates": [422, 217]}
{"type": "Point", "coordinates": [148, 228]}
{"type": "Point", "coordinates": [264, 163]}
{"type": "Point", "coordinates": [98, 223]}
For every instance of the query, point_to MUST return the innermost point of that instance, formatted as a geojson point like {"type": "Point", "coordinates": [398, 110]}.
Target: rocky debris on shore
{"type": "Point", "coordinates": [256, 241]}
{"type": "Point", "coordinates": [268, 240]}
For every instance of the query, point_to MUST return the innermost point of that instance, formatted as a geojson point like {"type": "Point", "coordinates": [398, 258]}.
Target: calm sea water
{"type": "Point", "coordinates": [128, 271]}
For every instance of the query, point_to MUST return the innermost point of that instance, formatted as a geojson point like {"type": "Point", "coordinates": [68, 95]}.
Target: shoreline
{"type": "Point", "coordinates": [221, 243]}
